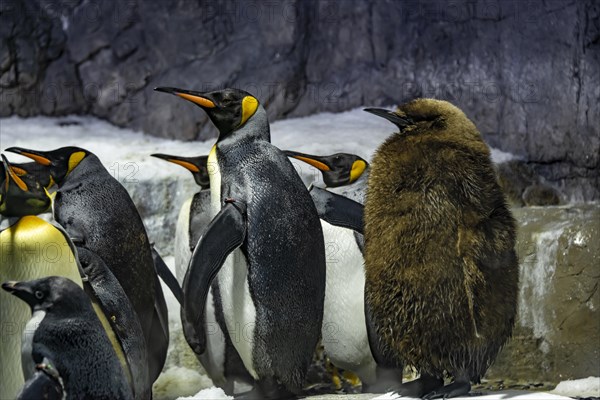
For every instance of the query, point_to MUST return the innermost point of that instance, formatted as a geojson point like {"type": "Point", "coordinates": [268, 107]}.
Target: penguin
{"type": "Point", "coordinates": [33, 248]}
{"type": "Point", "coordinates": [20, 193]}
{"type": "Point", "coordinates": [344, 330]}
{"type": "Point", "coordinates": [338, 169]}
{"type": "Point", "coordinates": [441, 268]}
{"type": "Point", "coordinates": [220, 360]}
{"type": "Point", "coordinates": [264, 246]}
{"type": "Point", "coordinates": [97, 212]}
{"type": "Point", "coordinates": [86, 367]}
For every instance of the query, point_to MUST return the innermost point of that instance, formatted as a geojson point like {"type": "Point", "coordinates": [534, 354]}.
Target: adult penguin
{"type": "Point", "coordinates": [97, 212]}
{"type": "Point", "coordinates": [338, 169]}
{"type": "Point", "coordinates": [441, 268]}
{"type": "Point", "coordinates": [33, 248]}
{"type": "Point", "coordinates": [86, 367]}
{"type": "Point", "coordinates": [220, 360]}
{"type": "Point", "coordinates": [265, 245]}
{"type": "Point", "coordinates": [344, 332]}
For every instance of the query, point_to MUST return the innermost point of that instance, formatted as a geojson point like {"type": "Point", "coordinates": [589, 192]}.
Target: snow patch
{"type": "Point", "coordinates": [179, 381]}
{"type": "Point", "coordinates": [213, 393]}
{"type": "Point", "coordinates": [535, 278]}
{"type": "Point", "coordinates": [587, 387]}
{"type": "Point", "coordinates": [499, 156]}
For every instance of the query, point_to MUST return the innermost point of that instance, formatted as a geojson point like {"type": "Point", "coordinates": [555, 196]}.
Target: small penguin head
{"type": "Point", "coordinates": [196, 165]}
{"type": "Point", "coordinates": [59, 162]}
{"type": "Point", "coordinates": [229, 109]}
{"type": "Point", "coordinates": [337, 169]}
{"type": "Point", "coordinates": [48, 293]}
{"type": "Point", "coordinates": [20, 193]}
{"type": "Point", "coordinates": [429, 116]}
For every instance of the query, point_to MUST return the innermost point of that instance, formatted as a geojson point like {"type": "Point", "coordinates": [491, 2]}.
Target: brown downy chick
{"type": "Point", "coordinates": [441, 268]}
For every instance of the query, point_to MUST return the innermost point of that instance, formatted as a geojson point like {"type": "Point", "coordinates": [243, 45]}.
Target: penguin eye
{"type": "Point", "coordinates": [39, 294]}
{"type": "Point", "coordinates": [226, 102]}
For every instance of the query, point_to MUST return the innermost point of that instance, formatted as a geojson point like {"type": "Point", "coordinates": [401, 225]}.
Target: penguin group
{"type": "Point", "coordinates": [423, 274]}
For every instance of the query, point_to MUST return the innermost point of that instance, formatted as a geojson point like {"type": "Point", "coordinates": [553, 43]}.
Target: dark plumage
{"type": "Point", "coordinates": [70, 339]}
{"type": "Point", "coordinates": [441, 268]}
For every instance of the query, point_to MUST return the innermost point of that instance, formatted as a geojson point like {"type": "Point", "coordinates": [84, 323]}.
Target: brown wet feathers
{"type": "Point", "coordinates": [441, 269]}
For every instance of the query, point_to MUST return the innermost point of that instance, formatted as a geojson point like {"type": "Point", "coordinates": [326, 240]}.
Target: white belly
{"type": "Point", "coordinates": [30, 249]}
{"type": "Point", "coordinates": [182, 241]}
{"type": "Point", "coordinates": [27, 363]}
{"type": "Point", "coordinates": [344, 326]}
{"type": "Point", "coordinates": [238, 308]}
{"type": "Point", "coordinates": [213, 359]}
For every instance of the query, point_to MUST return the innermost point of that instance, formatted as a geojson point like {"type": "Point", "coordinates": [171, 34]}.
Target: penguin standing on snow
{"type": "Point", "coordinates": [220, 360]}
{"type": "Point", "coordinates": [30, 248]}
{"type": "Point", "coordinates": [264, 245]}
{"type": "Point", "coordinates": [441, 268]}
{"type": "Point", "coordinates": [33, 248]}
{"type": "Point", "coordinates": [65, 334]}
{"type": "Point", "coordinates": [97, 212]}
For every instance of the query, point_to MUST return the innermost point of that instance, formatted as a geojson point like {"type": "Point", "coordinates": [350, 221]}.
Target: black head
{"type": "Point", "coordinates": [228, 109]}
{"type": "Point", "coordinates": [196, 165]}
{"type": "Point", "coordinates": [20, 193]}
{"type": "Point", "coordinates": [48, 293]}
{"type": "Point", "coordinates": [338, 169]}
{"type": "Point", "coordinates": [59, 162]}
{"type": "Point", "coordinates": [400, 121]}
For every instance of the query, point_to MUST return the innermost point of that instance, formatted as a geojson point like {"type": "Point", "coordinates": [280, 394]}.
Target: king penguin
{"type": "Point", "coordinates": [441, 267]}
{"type": "Point", "coordinates": [98, 214]}
{"type": "Point", "coordinates": [344, 332]}
{"type": "Point", "coordinates": [30, 248]}
{"type": "Point", "coordinates": [264, 245]}
{"type": "Point", "coordinates": [65, 333]}
{"type": "Point", "coordinates": [220, 360]}
{"type": "Point", "coordinates": [33, 248]}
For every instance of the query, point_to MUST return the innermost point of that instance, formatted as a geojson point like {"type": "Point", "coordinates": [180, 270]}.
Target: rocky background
{"type": "Point", "coordinates": [527, 72]}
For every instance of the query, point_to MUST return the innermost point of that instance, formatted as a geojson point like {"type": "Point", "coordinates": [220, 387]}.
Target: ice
{"type": "Point", "coordinates": [587, 387]}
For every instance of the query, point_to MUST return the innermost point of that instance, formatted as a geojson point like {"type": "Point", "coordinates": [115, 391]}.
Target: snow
{"type": "Point", "coordinates": [212, 393]}
{"type": "Point", "coordinates": [587, 387]}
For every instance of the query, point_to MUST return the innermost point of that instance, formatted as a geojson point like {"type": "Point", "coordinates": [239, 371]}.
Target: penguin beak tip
{"type": "Point", "coordinates": [9, 286]}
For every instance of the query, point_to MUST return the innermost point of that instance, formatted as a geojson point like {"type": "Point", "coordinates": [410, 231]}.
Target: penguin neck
{"type": "Point", "coordinates": [90, 164]}
{"type": "Point", "coordinates": [255, 129]}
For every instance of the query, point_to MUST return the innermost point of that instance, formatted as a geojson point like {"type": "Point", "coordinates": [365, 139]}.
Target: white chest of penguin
{"type": "Point", "coordinates": [238, 308]}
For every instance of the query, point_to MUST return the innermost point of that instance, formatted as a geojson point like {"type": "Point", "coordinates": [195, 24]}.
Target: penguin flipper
{"type": "Point", "coordinates": [167, 276]}
{"type": "Point", "coordinates": [122, 317]}
{"type": "Point", "coordinates": [338, 210]}
{"type": "Point", "coordinates": [44, 384]}
{"type": "Point", "coordinates": [159, 334]}
{"type": "Point", "coordinates": [224, 234]}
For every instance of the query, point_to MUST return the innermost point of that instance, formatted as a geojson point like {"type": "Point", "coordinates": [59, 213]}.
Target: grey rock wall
{"type": "Point", "coordinates": [527, 72]}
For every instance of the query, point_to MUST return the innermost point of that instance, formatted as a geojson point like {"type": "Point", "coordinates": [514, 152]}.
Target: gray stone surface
{"type": "Point", "coordinates": [527, 72]}
{"type": "Point", "coordinates": [558, 326]}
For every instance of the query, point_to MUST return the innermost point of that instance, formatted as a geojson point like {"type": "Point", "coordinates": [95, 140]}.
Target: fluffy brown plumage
{"type": "Point", "coordinates": [441, 269]}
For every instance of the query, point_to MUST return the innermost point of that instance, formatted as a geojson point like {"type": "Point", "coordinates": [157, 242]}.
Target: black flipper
{"type": "Point", "coordinates": [44, 384]}
{"type": "Point", "coordinates": [167, 276]}
{"type": "Point", "coordinates": [224, 234]}
{"type": "Point", "coordinates": [338, 210]}
{"type": "Point", "coordinates": [159, 333]}
{"type": "Point", "coordinates": [102, 285]}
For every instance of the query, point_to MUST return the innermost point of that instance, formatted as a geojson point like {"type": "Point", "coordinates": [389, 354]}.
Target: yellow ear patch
{"type": "Point", "coordinates": [201, 101]}
{"type": "Point", "coordinates": [185, 164]}
{"type": "Point", "coordinates": [317, 164]}
{"type": "Point", "coordinates": [249, 106]}
{"type": "Point", "coordinates": [75, 159]}
{"type": "Point", "coordinates": [358, 167]}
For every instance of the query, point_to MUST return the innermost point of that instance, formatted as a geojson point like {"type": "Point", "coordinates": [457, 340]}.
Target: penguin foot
{"type": "Point", "coordinates": [455, 389]}
{"type": "Point", "coordinates": [388, 380]}
{"type": "Point", "coordinates": [421, 386]}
